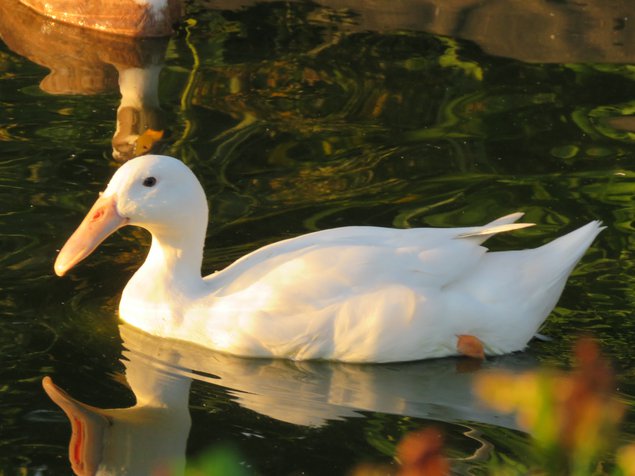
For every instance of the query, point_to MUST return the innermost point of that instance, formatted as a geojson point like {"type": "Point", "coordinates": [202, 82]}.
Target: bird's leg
{"type": "Point", "coordinates": [470, 346]}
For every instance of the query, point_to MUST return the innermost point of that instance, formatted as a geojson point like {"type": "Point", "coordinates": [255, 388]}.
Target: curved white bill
{"type": "Point", "coordinates": [101, 221]}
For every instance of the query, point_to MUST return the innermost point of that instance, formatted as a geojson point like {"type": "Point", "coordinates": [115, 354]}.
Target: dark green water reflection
{"type": "Point", "coordinates": [297, 117]}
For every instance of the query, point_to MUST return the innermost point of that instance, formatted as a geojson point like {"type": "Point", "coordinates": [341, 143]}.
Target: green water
{"type": "Point", "coordinates": [298, 117]}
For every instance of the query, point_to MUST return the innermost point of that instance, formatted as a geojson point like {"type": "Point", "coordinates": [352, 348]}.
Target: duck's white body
{"type": "Point", "coordinates": [356, 294]}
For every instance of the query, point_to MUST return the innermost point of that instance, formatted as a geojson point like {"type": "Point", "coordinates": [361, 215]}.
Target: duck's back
{"type": "Point", "coordinates": [352, 257]}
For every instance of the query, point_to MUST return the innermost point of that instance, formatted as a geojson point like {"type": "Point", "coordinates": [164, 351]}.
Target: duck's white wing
{"type": "Point", "coordinates": [318, 264]}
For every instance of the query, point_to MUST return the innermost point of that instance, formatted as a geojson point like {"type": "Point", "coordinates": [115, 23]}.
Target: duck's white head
{"type": "Point", "coordinates": [156, 192]}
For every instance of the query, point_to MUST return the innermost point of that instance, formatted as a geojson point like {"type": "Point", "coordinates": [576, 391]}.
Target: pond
{"type": "Point", "coordinates": [296, 117]}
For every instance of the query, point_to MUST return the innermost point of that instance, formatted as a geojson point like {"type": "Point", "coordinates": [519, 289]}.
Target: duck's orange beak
{"type": "Point", "coordinates": [101, 221]}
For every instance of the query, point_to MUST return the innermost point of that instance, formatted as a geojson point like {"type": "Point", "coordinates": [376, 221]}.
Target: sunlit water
{"type": "Point", "coordinates": [298, 117]}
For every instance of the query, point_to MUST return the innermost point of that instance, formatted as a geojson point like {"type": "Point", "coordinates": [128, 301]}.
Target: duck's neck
{"type": "Point", "coordinates": [175, 260]}
{"type": "Point", "coordinates": [159, 296]}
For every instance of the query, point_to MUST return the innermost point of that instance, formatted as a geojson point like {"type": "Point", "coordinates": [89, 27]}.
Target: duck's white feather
{"type": "Point", "coordinates": [357, 294]}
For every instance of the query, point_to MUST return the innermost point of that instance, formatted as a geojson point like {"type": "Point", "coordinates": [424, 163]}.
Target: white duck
{"type": "Point", "coordinates": [355, 294]}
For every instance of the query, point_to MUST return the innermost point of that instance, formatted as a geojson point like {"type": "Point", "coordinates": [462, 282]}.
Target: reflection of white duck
{"type": "Point", "coordinates": [152, 435]}
{"type": "Point", "coordinates": [143, 439]}
{"type": "Point", "coordinates": [313, 393]}
{"type": "Point", "coordinates": [356, 294]}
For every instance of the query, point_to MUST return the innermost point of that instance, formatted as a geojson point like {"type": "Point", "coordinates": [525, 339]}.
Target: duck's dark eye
{"type": "Point", "coordinates": [149, 182]}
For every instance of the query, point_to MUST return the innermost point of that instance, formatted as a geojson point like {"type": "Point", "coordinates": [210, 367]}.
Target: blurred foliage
{"type": "Point", "coordinates": [573, 417]}
{"type": "Point", "coordinates": [218, 461]}
{"type": "Point", "coordinates": [421, 453]}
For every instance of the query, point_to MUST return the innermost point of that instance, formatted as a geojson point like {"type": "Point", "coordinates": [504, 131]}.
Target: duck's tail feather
{"type": "Point", "coordinates": [545, 267]}
{"type": "Point", "coordinates": [527, 284]}
{"type": "Point", "coordinates": [548, 267]}
{"type": "Point", "coordinates": [486, 232]}
{"type": "Point", "coordinates": [511, 218]}
{"type": "Point", "coordinates": [500, 225]}
{"type": "Point", "coordinates": [563, 253]}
